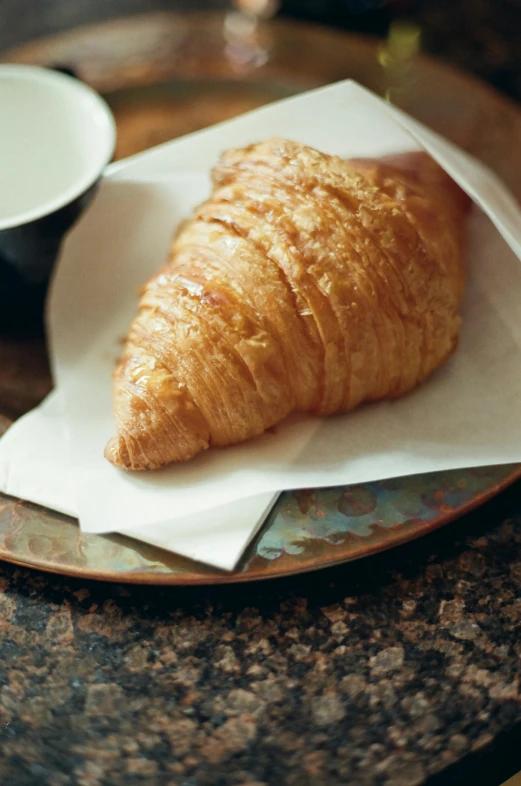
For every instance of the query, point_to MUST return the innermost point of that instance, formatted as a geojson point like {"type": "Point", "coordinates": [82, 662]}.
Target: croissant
{"type": "Point", "coordinates": [305, 283]}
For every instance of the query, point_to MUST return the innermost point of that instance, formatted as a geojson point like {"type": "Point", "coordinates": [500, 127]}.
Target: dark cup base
{"type": "Point", "coordinates": [21, 304]}
{"type": "Point", "coordinates": [27, 256]}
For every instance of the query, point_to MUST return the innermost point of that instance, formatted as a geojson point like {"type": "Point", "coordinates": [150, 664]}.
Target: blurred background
{"type": "Point", "coordinates": [170, 67]}
{"type": "Point", "coordinates": [482, 36]}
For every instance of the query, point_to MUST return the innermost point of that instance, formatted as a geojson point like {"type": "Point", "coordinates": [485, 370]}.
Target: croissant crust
{"type": "Point", "coordinates": [304, 283]}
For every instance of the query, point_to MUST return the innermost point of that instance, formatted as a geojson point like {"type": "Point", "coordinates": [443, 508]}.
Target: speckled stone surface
{"type": "Point", "coordinates": [385, 671]}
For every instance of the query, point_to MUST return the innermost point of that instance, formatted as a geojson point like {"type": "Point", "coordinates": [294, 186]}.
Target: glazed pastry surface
{"type": "Point", "coordinates": [304, 283]}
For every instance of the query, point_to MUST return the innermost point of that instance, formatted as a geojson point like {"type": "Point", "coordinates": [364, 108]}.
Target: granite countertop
{"type": "Point", "coordinates": [385, 671]}
{"type": "Point", "coordinates": [398, 670]}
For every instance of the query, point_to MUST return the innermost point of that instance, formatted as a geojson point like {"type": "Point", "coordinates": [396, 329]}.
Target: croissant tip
{"type": "Point", "coordinates": [113, 452]}
{"type": "Point", "coordinates": [118, 454]}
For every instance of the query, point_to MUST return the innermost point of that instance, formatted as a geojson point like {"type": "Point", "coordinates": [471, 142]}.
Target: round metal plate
{"type": "Point", "coordinates": [169, 74]}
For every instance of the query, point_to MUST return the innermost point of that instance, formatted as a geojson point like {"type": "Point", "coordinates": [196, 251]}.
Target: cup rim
{"type": "Point", "coordinates": [78, 91]}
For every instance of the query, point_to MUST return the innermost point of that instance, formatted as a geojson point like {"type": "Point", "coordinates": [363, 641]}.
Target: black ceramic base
{"type": "Point", "coordinates": [27, 256]}
{"type": "Point", "coordinates": [21, 303]}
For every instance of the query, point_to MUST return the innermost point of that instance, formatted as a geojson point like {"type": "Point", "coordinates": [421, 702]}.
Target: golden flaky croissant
{"type": "Point", "coordinates": [305, 283]}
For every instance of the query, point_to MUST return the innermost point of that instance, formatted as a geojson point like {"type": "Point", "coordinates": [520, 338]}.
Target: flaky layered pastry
{"type": "Point", "coordinates": [305, 283]}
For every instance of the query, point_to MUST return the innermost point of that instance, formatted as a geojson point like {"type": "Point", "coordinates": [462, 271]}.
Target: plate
{"type": "Point", "coordinates": [168, 74]}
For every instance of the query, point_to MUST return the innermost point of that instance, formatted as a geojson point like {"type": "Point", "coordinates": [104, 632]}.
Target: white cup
{"type": "Point", "coordinates": [56, 137]}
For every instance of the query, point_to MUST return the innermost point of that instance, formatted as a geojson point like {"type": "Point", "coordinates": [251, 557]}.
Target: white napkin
{"type": "Point", "coordinates": [34, 466]}
{"type": "Point", "coordinates": [467, 414]}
